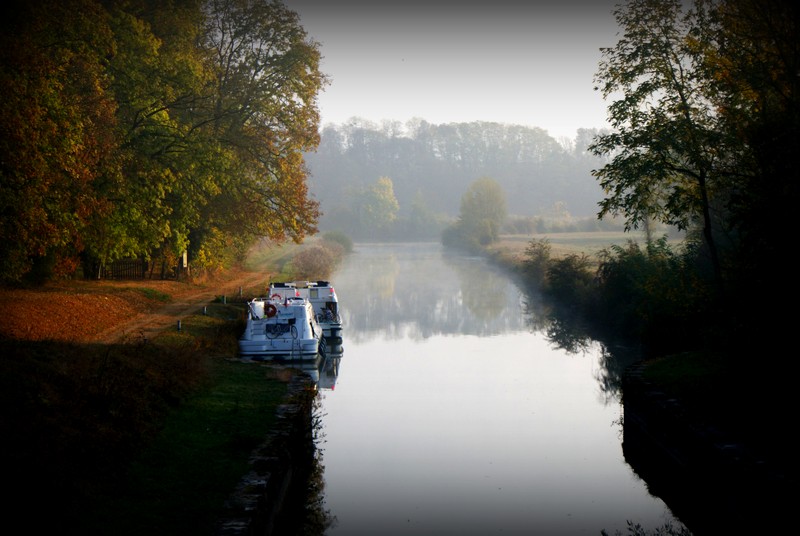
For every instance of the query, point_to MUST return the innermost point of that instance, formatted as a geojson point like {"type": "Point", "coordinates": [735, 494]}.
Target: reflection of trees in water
{"type": "Point", "coordinates": [405, 291]}
{"type": "Point", "coordinates": [568, 332]}
{"type": "Point", "coordinates": [420, 290]}
{"type": "Point", "coordinates": [484, 292]}
{"type": "Point", "coordinates": [307, 514]}
{"type": "Point", "coordinates": [613, 362]}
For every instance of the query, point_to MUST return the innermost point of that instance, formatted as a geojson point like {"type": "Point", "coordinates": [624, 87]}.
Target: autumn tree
{"type": "Point", "coordinates": [265, 82]}
{"type": "Point", "coordinates": [137, 128]}
{"type": "Point", "coordinates": [156, 74]}
{"type": "Point", "coordinates": [57, 131]}
{"type": "Point", "coordinates": [483, 210]}
{"type": "Point", "coordinates": [751, 55]}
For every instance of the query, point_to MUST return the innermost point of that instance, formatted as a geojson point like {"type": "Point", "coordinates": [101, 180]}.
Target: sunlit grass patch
{"type": "Point", "coordinates": [154, 294]}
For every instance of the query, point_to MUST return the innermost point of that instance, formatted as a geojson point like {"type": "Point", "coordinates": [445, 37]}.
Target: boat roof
{"type": "Point", "coordinates": [291, 306]}
{"type": "Point", "coordinates": [300, 284]}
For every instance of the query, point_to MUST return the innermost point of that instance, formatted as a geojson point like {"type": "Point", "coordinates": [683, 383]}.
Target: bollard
{"type": "Point", "coordinates": [179, 325]}
{"type": "Point", "coordinates": [224, 301]}
{"type": "Point", "coordinates": [205, 310]}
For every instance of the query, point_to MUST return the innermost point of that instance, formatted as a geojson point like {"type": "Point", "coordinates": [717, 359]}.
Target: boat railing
{"type": "Point", "coordinates": [328, 316]}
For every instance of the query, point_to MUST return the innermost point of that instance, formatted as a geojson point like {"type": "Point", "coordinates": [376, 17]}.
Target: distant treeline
{"type": "Point", "coordinates": [140, 129]}
{"type": "Point", "coordinates": [430, 167]}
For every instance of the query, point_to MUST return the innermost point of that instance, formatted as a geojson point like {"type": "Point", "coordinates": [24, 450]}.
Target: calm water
{"type": "Point", "coordinates": [453, 413]}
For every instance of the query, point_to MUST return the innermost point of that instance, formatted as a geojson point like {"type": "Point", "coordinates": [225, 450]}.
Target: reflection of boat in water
{"type": "Point", "coordinates": [285, 328]}
{"type": "Point", "coordinates": [323, 299]}
{"type": "Point", "coordinates": [323, 371]}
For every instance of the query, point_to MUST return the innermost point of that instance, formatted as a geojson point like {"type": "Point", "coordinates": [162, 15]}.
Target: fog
{"type": "Point", "coordinates": [528, 63]}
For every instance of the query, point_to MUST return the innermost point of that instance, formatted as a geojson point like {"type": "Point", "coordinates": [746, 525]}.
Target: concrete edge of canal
{"type": "Point", "coordinates": [713, 483]}
{"type": "Point", "coordinates": [260, 496]}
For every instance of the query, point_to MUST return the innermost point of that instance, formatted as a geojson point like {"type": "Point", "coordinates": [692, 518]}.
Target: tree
{"type": "Point", "coordinates": [752, 59]}
{"type": "Point", "coordinates": [139, 128]}
{"type": "Point", "coordinates": [57, 131]}
{"type": "Point", "coordinates": [707, 132]}
{"type": "Point", "coordinates": [667, 145]}
{"type": "Point", "coordinates": [377, 207]}
{"type": "Point", "coordinates": [483, 210]}
{"type": "Point", "coordinates": [266, 80]}
{"type": "Point", "coordinates": [422, 221]}
{"type": "Point", "coordinates": [482, 214]}
{"type": "Point", "coordinates": [156, 73]}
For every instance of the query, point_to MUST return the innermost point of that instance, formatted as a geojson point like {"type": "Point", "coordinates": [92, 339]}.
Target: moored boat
{"type": "Point", "coordinates": [323, 299]}
{"type": "Point", "coordinates": [284, 328]}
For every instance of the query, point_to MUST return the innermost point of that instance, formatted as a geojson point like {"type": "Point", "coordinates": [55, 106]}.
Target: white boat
{"type": "Point", "coordinates": [284, 328]}
{"type": "Point", "coordinates": [323, 299]}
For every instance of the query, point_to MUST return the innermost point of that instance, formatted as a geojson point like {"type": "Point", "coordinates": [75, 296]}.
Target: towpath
{"type": "Point", "coordinates": [147, 324]}
{"type": "Point", "coordinates": [111, 312]}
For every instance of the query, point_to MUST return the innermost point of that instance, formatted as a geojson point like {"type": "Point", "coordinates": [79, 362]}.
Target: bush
{"type": "Point", "coordinates": [340, 238]}
{"type": "Point", "coordinates": [536, 261]}
{"type": "Point", "coordinates": [651, 293]}
{"type": "Point", "coordinates": [569, 280]}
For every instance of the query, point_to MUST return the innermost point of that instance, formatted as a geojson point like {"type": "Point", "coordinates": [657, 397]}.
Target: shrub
{"type": "Point", "coordinates": [569, 280]}
{"type": "Point", "coordinates": [340, 238]}
{"type": "Point", "coordinates": [643, 292]}
{"type": "Point", "coordinates": [536, 260]}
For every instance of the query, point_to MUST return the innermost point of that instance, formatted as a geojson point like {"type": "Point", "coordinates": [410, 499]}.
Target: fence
{"type": "Point", "coordinates": [126, 269]}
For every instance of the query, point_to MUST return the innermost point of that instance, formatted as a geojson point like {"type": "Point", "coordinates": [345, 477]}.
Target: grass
{"type": "Point", "coordinates": [142, 438]}
{"type": "Point", "coordinates": [562, 244]}
{"type": "Point", "coordinates": [687, 373]}
{"type": "Point", "coordinates": [154, 294]}
{"type": "Point", "coordinates": [512, 247]}
{"type": "Point", "coordinates": [179, 483]}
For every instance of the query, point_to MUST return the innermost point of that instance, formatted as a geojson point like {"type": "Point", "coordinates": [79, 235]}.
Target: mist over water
{"type": "Point", "coordinates": [451, 415]}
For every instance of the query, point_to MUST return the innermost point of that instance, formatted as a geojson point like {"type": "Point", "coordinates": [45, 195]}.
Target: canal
{"type": "Point", "coordinates": [454, 412]}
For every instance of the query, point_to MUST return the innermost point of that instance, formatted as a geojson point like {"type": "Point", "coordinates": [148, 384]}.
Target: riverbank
{"type": "Point", "coordinates": [708, 431]}
{"type": "Point", "coordinates": [115, 421]}
{"type": "Point", "coordinates": [715, 476]}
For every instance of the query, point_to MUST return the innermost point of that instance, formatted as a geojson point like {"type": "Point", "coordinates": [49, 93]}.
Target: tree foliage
{"type": "Point", "coordinates": [142, 129]}
{"type": "Point", "coordinates": [57, 130]}
{"type": "Point", "coordinates": [667, 147]}
{"type": "Point", "coordinates": [435, 163]}
{"type": "Point", "coordinates": [376, 206]}
{"type": "Point", "coordinates": [483, 212]}
{"type": "Point", "coordinates": [705, 118]}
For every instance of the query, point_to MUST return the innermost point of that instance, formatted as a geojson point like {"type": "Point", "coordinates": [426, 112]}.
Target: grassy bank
{"type": "Point", "coordinates": [141, 438]}
{"type": "Point", "coordinates": [149, 435]}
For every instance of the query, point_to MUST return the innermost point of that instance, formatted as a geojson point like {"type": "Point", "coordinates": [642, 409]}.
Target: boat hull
{"type": "Point", "coordinates": [288, 350]}
{"type": "Point", "coordinates": [332, 331]}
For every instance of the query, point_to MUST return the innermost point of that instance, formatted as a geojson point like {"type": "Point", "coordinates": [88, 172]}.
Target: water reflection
{"type": "Point", "coordinates": [323, 370]}
{"type": "Point", "coordinates": [418, 291]}
{"type": "Point", "coordinates": [462, 412]}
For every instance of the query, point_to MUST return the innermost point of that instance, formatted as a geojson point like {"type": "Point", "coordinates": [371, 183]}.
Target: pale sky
{"type": "Point", "coordinates": [509, 61]}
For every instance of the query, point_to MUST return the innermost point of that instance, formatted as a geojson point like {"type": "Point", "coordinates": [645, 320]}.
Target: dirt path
{"type": "Point", "coordinates": [108, 312]}
{"type": "Point", "coordinates": [147, 324]}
